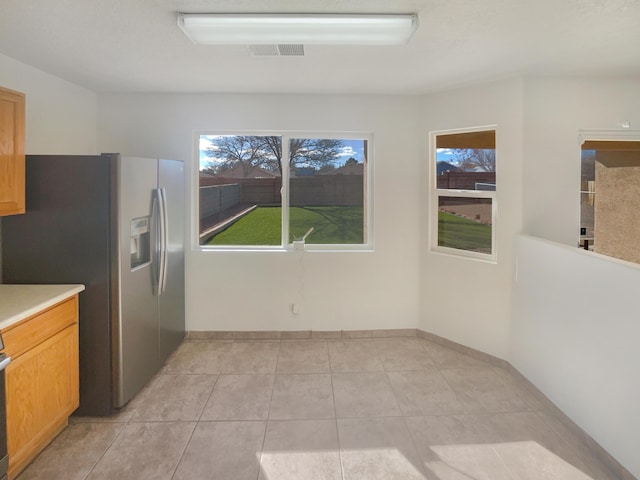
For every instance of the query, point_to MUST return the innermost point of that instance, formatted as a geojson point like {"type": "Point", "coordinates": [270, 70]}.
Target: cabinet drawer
{"type": "Point", "coordinates": [34, 330]}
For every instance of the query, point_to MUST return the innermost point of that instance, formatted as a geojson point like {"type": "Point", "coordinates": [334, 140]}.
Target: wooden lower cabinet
{"type": "Point", "coordinates": [42, 385]}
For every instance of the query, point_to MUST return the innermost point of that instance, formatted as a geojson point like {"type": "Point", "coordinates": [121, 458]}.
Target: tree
{"type": "Point", "coordinates": [473, 160]}
{"type": "Point", "coordinates": [249, 151]}
{"type": "Point", "coordinates": [210, 169]}
{"type": "Point", "coordinates": [315, 152]}
{"type": "Point", "coordinates": [253, 151]}
{"type": "Point", "coordinates": [308, 152]}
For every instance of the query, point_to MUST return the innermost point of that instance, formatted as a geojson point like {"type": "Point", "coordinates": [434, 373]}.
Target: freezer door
{"type": "Point", "coordinates": [135, 332]}
{"type": "Point", "coordinates": [171, 308]}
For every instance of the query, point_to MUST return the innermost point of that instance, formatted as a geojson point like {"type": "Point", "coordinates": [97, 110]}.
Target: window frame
{"type": "Point", "coordinates": [286, 245]}
{"type": "Point", "coordinates": [436, 193]}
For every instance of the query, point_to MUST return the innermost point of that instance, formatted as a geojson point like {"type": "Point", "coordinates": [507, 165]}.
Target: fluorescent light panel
{"type": "Point", "coordinates": [308, 29]}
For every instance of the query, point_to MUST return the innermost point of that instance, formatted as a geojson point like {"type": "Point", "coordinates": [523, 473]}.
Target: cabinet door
{"type": "Point", "coordinates": [58, 376]}
{"type": "Point", "coordinates": [42, 391]}
{"type": "Point", "coordinates": [12, 172]}
{"type": "Point", "coordinates": [23, 409]}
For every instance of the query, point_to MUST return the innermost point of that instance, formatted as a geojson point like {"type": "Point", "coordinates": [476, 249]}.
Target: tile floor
{"type": "Point", "coordinates": [386, 408]}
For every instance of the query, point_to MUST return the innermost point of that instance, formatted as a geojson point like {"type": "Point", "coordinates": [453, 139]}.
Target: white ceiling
{"type": "Point", "coordinates": [136, 46]}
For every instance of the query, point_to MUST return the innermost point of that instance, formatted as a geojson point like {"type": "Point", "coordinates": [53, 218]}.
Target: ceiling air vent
{"type": "Point", "coordinates": [291, 49]}
{"type": "Point", "coordinates": [281, 50]}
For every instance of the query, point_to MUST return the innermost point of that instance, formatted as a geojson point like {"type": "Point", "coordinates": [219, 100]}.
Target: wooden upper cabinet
{"type": "Point", "coordinates": [12, 124]}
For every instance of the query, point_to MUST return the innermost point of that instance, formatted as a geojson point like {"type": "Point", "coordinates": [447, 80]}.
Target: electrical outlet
{"type": "Point", "coordinates": [295, 309]}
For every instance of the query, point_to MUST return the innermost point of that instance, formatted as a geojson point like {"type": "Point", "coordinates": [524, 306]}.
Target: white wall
{"type": "Point", "coordinates": [555, 109]}
{"type": "Point", "coordinates": [575, 336]}
{"type": "Point", "coordinates": [575, 322]}
{"type": "Point", "coordinates": [60, 116]}
{"type": "Point", "coordinates": [253, 290]}
{"type": "Point", "coordinates": [466, 300]}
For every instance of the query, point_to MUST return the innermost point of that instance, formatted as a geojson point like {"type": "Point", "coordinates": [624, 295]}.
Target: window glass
{"type": "Point", "coordinates": [466, 161]}
{"type": "Point", "coordinates": [465, 223]}
{"type": "Point", "coordinates": [327, 180]}
{"type": "Point", "coordinates": [240, 182]}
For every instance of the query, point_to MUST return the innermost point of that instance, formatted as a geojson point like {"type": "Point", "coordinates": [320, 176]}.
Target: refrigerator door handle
{"type": "Point", "coordinates": [157, 215]}
{"type": "Point", "coordinates": [164, 240]}
{"type": "Point", "coordinates": [155, 269]}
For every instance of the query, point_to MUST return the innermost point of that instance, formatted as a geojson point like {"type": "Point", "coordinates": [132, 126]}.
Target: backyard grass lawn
{"type": "Point", "coordinates": [262, 226]}
{"type": "Point", "coordinates": [463, 234]}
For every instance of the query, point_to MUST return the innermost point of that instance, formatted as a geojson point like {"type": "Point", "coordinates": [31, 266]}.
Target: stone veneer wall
{"type": "Point", "coordinates": [617, 205]}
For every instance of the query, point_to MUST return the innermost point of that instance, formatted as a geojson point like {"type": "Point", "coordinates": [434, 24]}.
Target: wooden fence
{"type": "Point", "coordinates": [465, 180]}
{"type": "Point", "coordinates": [218, 194]}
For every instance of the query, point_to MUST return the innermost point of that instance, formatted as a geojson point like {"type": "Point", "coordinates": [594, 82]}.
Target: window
{"type": "Point", "coordinates": [250, 198]}
{"type": "Point", "coordinates": [609, 199]}
{"type": "Point", "coordinates": [463, 190]}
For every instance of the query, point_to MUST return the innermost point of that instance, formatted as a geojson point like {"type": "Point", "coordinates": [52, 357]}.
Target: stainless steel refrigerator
{"type": "Point", "coordinates": [116, 225]}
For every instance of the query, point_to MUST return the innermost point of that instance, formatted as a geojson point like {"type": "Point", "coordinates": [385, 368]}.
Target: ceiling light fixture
{"type": "Point", "coordinates": [309, 29]}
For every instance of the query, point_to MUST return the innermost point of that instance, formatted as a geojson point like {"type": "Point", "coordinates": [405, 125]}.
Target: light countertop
{"type": "Point", "coordinates": [18, 302]}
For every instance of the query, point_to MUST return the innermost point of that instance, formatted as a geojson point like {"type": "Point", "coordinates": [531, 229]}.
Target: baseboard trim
{"type": "Point", "coordinates": [300, 334]}
{"type": "Point", "coordinates": [458, 347]}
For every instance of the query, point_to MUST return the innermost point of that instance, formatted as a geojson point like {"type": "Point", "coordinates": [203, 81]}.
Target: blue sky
{"type": "Point", "coordinates": [351, 148]}
{"type": "Point", "coordinates": [445, 155]}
